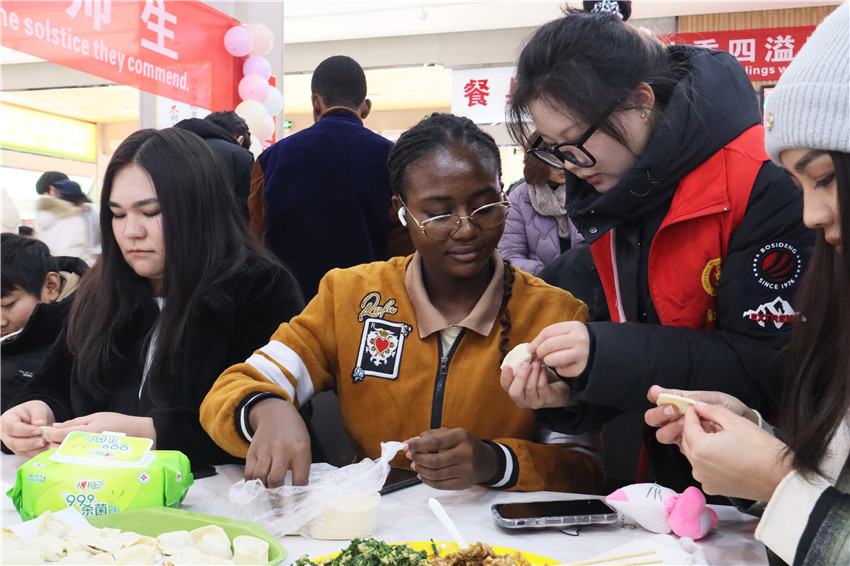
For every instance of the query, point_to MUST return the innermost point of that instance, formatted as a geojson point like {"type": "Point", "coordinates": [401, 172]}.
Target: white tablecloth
{"type": "Point", "coordinates": [405, 516]}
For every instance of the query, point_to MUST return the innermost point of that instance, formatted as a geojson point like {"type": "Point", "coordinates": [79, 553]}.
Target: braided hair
{"type": "Point", "coordinates": [442, 131]}
{"type": "Point", "coordinates": [505, 321]}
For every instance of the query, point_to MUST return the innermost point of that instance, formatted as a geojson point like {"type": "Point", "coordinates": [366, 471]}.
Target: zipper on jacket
{"type": "Point", "coordinates": [440, 381]}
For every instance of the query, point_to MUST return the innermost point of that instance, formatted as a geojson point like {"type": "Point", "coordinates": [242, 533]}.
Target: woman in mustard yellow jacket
{"type": "Point", "coordinates": [412, 347]}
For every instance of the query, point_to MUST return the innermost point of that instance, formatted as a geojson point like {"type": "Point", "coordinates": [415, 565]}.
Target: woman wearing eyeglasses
{"type": "Point", "coordinates": [412, 346]}
{"type": "Point", "coordinates": [698, 239]}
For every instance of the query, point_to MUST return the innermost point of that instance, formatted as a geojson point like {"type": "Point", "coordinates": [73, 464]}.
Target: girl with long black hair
{"type": "Point", "coordinates": [803, 473]}
{"type": "Point", "coordinates": [696, 236]}
{"type": "Point", "coordinates": [179, 294]}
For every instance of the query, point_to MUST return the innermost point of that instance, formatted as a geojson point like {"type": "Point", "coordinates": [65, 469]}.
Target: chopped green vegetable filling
{"type": "Point", "coordinates": [371, 552]}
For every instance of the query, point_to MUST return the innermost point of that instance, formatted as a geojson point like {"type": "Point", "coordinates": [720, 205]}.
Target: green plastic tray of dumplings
{"type": "Point", "coordinates": [153, 521]}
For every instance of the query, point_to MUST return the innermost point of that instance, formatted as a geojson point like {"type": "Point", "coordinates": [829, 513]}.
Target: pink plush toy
{"type": "Point", "coordinates": [661, 510]}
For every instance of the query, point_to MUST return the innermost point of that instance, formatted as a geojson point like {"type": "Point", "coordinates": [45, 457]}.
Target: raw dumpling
{"type": "Point", "coordinates": [101, 559]}
{"type": "Point", "coordinates": [212, 540]}
{"type": "Point", "coordinates": [516, 357]}
{"type": "Point", "coordinates": [174, 541]}
{"type": "Point", "coordinates": [138, 554]}
{"type": "Point", "coordinates": [250, 550]}
{"type": "Point", "coordinates": [49, 525]}
{"type": "Point", "coordinates": [681, 403]}
{"type": "Point", "coordinates": [78, 557]}
{"type": "Point", "coordinates": [9, 540]}
{"type": "Point", "coordinates": [101, 544]}
{"type": "Point", "coordinates": [193, 556]}
{"type": "Point", "coordinates": [22, 557]}
{"type": "Point", "coordinates": [52, 547]}
{"type": "Point", "coordinates": [130, 538]}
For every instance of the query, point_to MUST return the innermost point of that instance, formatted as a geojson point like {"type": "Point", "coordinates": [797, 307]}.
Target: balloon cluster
{"type": "Point", "coordinates": [260, 100]}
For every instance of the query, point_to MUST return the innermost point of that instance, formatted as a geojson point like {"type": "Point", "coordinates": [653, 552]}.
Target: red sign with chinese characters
{"type": "Point", "coordinates": [764, 53]}
{"type": "Point", "coordinates": [172, 48]}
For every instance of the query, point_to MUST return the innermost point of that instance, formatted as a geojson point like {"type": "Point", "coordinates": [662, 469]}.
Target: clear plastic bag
{"type": "Point", "coordinates": [337, 503]}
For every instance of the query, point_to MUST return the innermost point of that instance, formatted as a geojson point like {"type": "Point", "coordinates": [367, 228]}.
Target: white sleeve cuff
{"type": "Point", "coordinates": [787, 514]}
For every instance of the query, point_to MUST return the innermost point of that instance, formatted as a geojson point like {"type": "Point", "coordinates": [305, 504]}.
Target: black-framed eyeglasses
{"type": "Point", "coordinates": [556, 156]}
{"type": "Point", "coordinates": [443, 227]}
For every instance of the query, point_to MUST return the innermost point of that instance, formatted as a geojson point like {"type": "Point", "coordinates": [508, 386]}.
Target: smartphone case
{"type": "Point", "coordinates": [559, 521]}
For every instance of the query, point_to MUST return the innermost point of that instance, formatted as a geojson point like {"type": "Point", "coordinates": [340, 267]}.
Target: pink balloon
{"type": "Point", "coordinates": [267, 130]}
{"type": "Point", "coordinates": [263, 39]}
{"type": "Point", "coordinates": [253, 87]}
{"type": "Point", "coordinates": [257, 65]}
{"type": "Point", "coordinates": [238, 41]}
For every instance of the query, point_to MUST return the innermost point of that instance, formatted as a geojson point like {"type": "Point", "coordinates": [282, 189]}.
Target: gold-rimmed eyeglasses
{"type": "Point", "coordinates": [443, 227]}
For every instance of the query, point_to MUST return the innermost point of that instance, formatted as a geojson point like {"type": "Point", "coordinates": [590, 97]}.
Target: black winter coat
{"type": "Point", "coordinates": [237, 318]}
{"type": "Point", "coordinates": [713, 104]}
{"type": "Point", "coordinates": [23, 353]}
{"type": "Point", "coordinates": [236, 162]}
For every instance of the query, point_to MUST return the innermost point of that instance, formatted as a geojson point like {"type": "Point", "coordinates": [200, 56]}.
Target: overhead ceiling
{"type": "Point", "coordinates": [390, 89]}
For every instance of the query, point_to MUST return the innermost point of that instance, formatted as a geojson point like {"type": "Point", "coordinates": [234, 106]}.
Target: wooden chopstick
{"type": "Point", "coordinates": [609, 559]}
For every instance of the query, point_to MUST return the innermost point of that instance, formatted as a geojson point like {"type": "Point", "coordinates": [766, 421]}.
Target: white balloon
{"type": "Point", "coordinates": [253, 113]}
{"type": "Point", "coordinates": [256, 146]}
{"type": "Point", "coordinates": [274, 102]}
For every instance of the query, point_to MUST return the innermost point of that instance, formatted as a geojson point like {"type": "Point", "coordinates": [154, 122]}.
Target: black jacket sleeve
{"type": "Point", "coordinates": [51, 383]}
{"type": "Point", "coordinates": [743, 356]}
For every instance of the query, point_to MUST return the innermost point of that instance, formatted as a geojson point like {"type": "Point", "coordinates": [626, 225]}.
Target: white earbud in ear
{"type": "Point", "coordinates": [401, 218]}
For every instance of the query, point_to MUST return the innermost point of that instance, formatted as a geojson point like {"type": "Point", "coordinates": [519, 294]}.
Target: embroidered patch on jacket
{"type": "Point", "coordinates": [371, 306]}
{"type": "Point", "coordinates": [711, 276]}
{"type": "Point", "coordinates": [380, 351]}
{"type": "Point", "coordinates": [773, 315]}
{"type": "Point", "coordinates": [777, 266]}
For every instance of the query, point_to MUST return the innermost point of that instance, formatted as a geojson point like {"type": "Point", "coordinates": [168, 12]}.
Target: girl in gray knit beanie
{"type": "Point", "coordinates": [805, 480]}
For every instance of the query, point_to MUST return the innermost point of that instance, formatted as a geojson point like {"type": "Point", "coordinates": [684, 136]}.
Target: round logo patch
{"type": "Point", "coordinates": [777, 266]}
{"type": "Point", "coordinates": [711, 276]}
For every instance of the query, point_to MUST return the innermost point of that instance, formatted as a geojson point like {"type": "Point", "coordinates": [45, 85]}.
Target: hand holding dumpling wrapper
{"type": "Point", "coordinates": [338, 503]}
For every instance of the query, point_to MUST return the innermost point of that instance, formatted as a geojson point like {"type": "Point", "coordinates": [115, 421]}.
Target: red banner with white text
{"type": "Point", "coordinates": [764, 53]}
{"type": "Point", "coordinates": [172, 48]}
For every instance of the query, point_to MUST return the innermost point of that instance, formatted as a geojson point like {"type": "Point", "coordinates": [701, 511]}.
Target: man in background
{"type": "Point", "coordinates": [228, 145]}
{"type": "Point", "coordinates": [320, 198]}
{"type": "Point", "coordinates": [234, 124]}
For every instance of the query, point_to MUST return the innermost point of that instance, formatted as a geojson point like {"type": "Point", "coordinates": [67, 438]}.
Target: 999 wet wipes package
{"type": "Point", "coordinates": [99, 474]}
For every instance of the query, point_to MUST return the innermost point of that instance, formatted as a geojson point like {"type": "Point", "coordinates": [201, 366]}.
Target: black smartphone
{"type": "Point", "coordinates": [203, 471]}
{"type": "Point", "coordinates": [399, 478]}
{"type": "Point", "coordinates": [553, 514]}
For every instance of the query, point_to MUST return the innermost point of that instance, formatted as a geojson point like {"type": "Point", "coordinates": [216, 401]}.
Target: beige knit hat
{"type": "Point", "coordinates": [810, 106]}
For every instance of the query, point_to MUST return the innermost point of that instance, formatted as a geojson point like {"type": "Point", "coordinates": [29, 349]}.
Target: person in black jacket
{"type": "Point", "coordinates": [37, 293]}
{"type": "Point", "coordinates": [696, 236]}
{"type": "Point", "coordinates": [180, 294]}
{"type": "Point", "coordinates": [234, 158]}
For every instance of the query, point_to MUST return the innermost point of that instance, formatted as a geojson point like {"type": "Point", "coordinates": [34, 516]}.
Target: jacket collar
{"type": "Point", "coordinates": [342, 112]}
{"type": "Point", "coordinates": [429, 320]}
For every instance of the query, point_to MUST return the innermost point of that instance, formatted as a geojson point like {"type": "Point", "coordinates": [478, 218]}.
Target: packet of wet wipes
{"type": "Point", "coordinates": [100, 474]}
